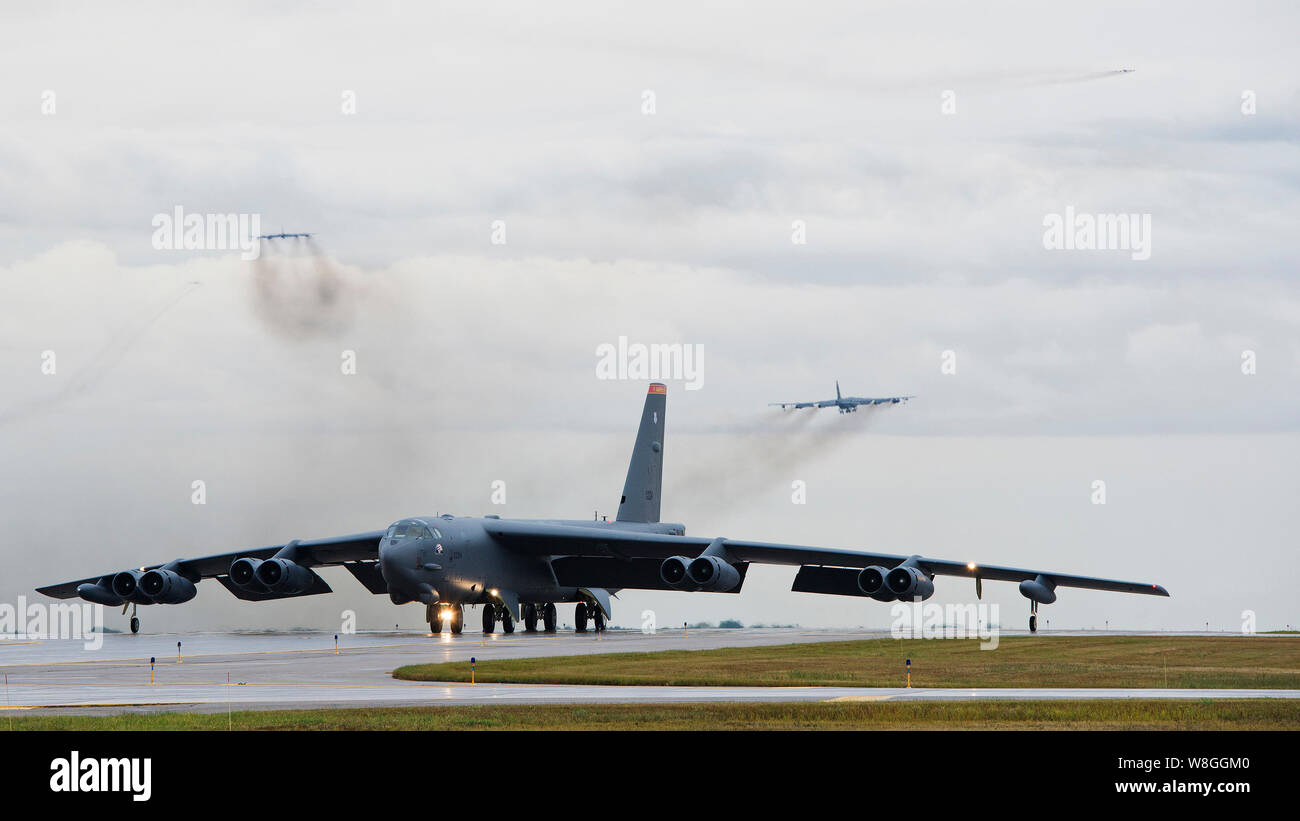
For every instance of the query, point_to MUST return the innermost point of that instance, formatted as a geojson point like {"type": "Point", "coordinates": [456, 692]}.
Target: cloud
{"type": "Point", "coordinates": [476, 361]}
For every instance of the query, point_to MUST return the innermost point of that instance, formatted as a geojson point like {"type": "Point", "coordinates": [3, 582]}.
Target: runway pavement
{"type": "Point", "coordinates": [302, 670]}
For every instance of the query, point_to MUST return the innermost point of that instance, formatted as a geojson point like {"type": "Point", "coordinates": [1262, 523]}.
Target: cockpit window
{"type": "Point", "coordinates": [402, 531]}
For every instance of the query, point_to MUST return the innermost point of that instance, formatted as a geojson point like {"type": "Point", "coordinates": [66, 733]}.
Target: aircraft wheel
{"type": "Point", "coordinates": [599, 618]}
{"type": "Point", "coordinates": [435, 626]}
{"type": "Point", "coordinates": [580, 618]}
{"type": "Point", "coordinates": [135, 624]}
{"type": "Point", "coordinates": [457, 620]}
{"type": "Point", "coordinates": [1033, 624]}
{"type": "Point", "coordinates": [530, 618]}
{"type": "Point", "coordinates": [548, 617]}
{"type": "Point", "coordinates": [489, 618]}
{"type": "Point", "coordinates": [507, 623]}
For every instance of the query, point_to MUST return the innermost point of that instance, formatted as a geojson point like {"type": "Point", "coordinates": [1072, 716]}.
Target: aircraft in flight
{"type": "Point", "coordinates": [283, 235]}
{"type": "Point", "coordinates": [519, 569]}
{"type": "Point", "coordinates": [846, 404]}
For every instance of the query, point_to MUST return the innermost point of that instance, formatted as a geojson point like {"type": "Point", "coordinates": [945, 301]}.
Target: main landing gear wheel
{"type": "Point", "coordinates": [489, 618]}
{"type": "Point", "coordinates": [548, 617]}
{"type": "Point", "coordinates": [135, 625]}
{"type": "Point", "coordinates": [457, 619]}
{"type": "Point", "coordinates": [433, 615]}
{"type": "Point", "coordinates": [530, 618]}
{"type": "Point", "coordinates": [507, 620]}
{"type": "Point", "coordinates": [580, 618]}
{"type": "Point", "coordinates": [1033, 616]}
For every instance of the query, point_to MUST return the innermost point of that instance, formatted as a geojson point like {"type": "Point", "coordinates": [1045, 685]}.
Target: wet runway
{"type": "Point", "coordinates": [220, 671]}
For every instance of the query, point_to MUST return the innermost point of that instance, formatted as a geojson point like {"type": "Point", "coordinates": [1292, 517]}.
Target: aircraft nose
{"type": "Point", "coordinates": [398, 565]}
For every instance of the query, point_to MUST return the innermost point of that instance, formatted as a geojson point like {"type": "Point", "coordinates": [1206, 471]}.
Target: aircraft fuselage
{"type": "Point", "coordinates": [460, 563]}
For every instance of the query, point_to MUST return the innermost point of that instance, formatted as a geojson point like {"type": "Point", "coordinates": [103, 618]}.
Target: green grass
{"type": "Point", "coordinates": [972, 715]}
{"type": "Point", "coordinates": [1020, 661]}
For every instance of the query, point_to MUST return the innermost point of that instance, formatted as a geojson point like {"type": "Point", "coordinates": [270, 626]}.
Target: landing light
{"type": "Point", "coordinates": [970, 565]}
{"type": "Point", "coordinates": [493, 591]}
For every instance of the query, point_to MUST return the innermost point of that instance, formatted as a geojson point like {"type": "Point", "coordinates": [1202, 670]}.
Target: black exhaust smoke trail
{"type": "Point", "coordinates": [298, 291]}
{"type": "Point", "coordinates": [769, 455]}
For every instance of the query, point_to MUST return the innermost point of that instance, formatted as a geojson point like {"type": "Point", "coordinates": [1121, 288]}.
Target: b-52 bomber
{"type": "Point", "coordinates": [520, 569]}
{"type": "Point", "coordinates": [845, 404]}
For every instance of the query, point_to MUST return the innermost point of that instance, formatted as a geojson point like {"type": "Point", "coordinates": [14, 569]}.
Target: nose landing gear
{"type": "Point", "coordinates": [437, 614]}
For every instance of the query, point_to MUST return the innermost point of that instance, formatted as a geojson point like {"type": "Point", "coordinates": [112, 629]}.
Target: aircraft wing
{"type": "Point", "coordinates": [825, 403]}
{"type": "Point", "coordinates": [877, 400]}
{"type": "Point", "coordinates": [314, 553]}
{"type": "Point", "coordinates": [567, 540]}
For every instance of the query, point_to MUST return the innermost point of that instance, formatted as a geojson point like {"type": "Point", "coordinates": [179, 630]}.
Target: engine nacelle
{"type": "Point", "coordinates": [909, 583]}
{"type": "Point", "coordinates": [126, 585]}
{"type": "Point", "coordinates": [872, 582]}
{"type": "Point", "coordinates": [673, 573]}
{"type": "Point", "coordinates": [1041, 590]}
{"type": "Point", "coordinates": [243, 572]}
{"type": "Point", "coordinates": [712, 573]}
{"type": "Point", "coordinates": [284, 577]}
{"type": "Point", "coordinates": [167, 587]}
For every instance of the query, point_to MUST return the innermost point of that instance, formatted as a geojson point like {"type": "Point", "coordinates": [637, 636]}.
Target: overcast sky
{"type": "Point", "coordinates": [477, 361]}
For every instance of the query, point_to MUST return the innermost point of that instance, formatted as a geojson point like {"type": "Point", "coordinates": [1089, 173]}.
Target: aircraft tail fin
{"type": "Point", "coordinates": [640, 502]}
{"type": "Point", "coordinates": [837, 389]}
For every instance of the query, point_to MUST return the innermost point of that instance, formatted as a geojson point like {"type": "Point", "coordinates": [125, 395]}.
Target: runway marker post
{"type": "Point", "coordinates": [178, 652]}
{"type": "Point", "coordinates": [336, 644]}
{"type": "Point", "coordinates": [909, 674]}
{"type": "Point", "coordinates": [151, 663]}
{"type": "Point", "coordinates": [472, 661]}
